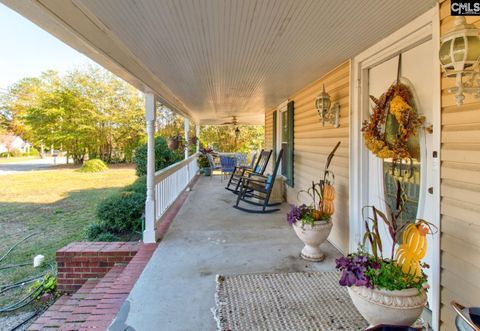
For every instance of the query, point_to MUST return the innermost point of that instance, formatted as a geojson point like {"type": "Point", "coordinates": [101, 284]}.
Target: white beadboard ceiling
{"type": "Point", "coordinates": [213, 59]}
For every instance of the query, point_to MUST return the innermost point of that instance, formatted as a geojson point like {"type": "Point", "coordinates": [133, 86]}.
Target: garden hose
{"type": "Point", "coordinates": [18, 243]}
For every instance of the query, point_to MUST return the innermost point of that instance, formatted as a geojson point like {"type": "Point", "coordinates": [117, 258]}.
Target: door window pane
{"type": "Point", "coordinates": [407, 173]}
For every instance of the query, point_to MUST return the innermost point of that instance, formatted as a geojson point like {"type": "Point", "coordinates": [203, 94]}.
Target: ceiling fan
{"type": "Point", "coordinates": [233, 122]}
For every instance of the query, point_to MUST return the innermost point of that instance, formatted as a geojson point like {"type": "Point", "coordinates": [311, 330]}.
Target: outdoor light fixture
{"type": "Point", "coordinates": [237, 132]}
{"type": "Point", "coordinates": [327, 112]}
{"type": "Point", "coordinates": [459, 55]}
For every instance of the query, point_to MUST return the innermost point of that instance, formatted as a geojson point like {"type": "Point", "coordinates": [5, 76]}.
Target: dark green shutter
{"type": "Point", "coordinates": [289, 152]}
{"type": "Point", "coordinates": [274, 138]}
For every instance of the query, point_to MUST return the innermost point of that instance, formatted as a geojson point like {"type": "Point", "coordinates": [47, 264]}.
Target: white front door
{"type": "Point", "coordinates": [417, 179]}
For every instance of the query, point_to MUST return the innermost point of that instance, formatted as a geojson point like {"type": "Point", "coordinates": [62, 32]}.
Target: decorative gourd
{"type": "Point", "coordinates": [327, 207]}
{"type": "Point", "coordinates": [413, 249]}
{"type": "Point", "coordinates": [316, 214]}
{"type": "Point", "coordinates": [328, 192]}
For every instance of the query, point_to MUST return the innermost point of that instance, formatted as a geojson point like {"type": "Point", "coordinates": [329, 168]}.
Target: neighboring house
{"type": "Point", "coordinates": [10, 143]}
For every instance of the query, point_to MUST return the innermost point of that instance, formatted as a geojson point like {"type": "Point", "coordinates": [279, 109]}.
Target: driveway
{"type": "Point", "coordinates": [30, 165]}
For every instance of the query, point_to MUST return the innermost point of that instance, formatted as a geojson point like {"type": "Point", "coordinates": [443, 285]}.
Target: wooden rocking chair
{"type": "Point", "coordinates": [239, 172]}
{"type": "Point", "coordinates": [258, 187]}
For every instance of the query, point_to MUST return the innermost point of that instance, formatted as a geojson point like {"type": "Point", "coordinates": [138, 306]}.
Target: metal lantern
{"type": "Point", "coordinates": [327, 113]}
{"type": "Point", "coordinates": [459, 55]}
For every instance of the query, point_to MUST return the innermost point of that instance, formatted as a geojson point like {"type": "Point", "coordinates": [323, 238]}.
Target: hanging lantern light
{"type": "Point", "coordinates": [326, 111]}
{"type": "Point", "coordinates": [459, 55]}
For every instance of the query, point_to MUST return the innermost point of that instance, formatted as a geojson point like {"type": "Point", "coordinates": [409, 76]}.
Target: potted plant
{"type": "Point", "coordinates": [388, 290]}
{"type": "Point", "coordinates": [204, 165]}
{"type": "Point", "coordinates": [313, 223]}
{"type": "Point", "coordinates": [175, 142]}
{"type": "Point", "coordinates": [203, 162]}
{"type": "Point", "coordinates": [193, 140]}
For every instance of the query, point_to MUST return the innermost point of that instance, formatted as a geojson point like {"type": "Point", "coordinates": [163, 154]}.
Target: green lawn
{"type": "Point", "coordinates": [56, 205]}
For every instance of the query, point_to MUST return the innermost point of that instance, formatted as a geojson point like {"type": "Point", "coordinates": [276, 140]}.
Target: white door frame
{"type": "Point", "coordinates": [425, 27]}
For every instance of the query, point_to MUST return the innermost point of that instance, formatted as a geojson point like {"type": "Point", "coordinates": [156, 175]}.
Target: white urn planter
{"type": "Point", "coordinates": [377, 306]}
{"type": "Point", "coordinates": [313, 237]}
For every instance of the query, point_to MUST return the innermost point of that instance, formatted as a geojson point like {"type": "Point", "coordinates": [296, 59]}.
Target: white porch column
{"type": "Point", "coordinates": [186, 127]}
{"type": "Point", "coordinates": [150, 117]}
{"type": "Point", "coordinates": [197, 133]}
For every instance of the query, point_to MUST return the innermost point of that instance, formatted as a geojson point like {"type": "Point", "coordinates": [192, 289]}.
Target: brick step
{"type": "Point", "coordinates": [117, 293]}
{"type": "Point", "coordinates": [57, 314]}
{"type": "Point", "coordinates": [70, 311]}
{"type": "Point", "coordinates": [96, 303]}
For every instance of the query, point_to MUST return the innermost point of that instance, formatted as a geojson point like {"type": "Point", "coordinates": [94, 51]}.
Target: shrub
{"type": "Point", "coordinates": [138, 186]}
{"type": "Point", "coordinates": [163, 156]}
{"type": "Point", "coordinates": [99, 232]}
{"type": "Point", "coordinates": [95, 165]}
{"type": "Point", "coordinates": [121, 212]}
{"type": "Point", "coordinates": [32, 152]}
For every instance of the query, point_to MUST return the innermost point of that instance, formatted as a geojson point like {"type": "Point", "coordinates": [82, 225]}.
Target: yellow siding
{"type": "Point", "coordinates": [313, 143]}
{"type": "Point", "coordinates": [269, 129]}
{"type": "Point", "coordinates": [460, 190]}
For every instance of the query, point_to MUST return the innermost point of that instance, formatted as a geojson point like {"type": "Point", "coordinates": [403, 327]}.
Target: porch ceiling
{"type": "Point", "coordinates": [212, 59]}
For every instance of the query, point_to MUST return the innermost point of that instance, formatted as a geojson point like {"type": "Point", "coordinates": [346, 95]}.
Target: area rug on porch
{"type": "Point", "coordinates": [284, 301]}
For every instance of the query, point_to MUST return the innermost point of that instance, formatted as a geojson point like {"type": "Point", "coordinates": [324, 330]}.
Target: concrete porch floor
{"type": "Point", "coordinates": [209, 237]}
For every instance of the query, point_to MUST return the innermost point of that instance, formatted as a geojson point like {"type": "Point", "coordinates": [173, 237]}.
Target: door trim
{"type": "Point", "coordinates": [425, 27]}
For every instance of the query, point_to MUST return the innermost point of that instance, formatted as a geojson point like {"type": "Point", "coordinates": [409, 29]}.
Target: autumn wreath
{"type": "Point", "coordinates": [393, 121]}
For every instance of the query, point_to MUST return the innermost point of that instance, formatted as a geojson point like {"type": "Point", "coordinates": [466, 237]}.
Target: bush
{"type": "Point", "coordinates": [138, 186]}
{"type": "Point", "coordinates": [95, 165]}
{"type": "Point", "coordinates": [32, 152]}
{"type": "Point", "coordinates": [99, 232]}
{"type": "Point", "coordinates": [121, 212]}
{"type": "Point", "coordinates": [163, 156]}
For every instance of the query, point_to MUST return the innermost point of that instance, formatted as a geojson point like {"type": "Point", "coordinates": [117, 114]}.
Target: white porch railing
{"type": "Point", "coordinates": [171, 181]}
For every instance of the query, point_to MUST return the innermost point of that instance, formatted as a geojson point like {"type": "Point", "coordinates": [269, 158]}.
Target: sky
{"type": "Point", "coordinates": [26, 50]}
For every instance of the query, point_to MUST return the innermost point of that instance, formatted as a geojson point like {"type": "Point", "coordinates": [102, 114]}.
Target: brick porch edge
{"type": "Point", "coordinates": [79, 261]}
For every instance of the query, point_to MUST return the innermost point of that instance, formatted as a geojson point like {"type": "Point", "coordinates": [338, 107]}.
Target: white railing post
{"type": "Point", "coordinates": [197, 133]}
{"type": "Point", "coordinates": [150, 203]}
{"type": "Point", "coordinates": [186, 128]}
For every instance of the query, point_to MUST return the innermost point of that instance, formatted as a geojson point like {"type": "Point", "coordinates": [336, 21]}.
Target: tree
{"type": "Point", "coordinates": [89, 111]}
{"type": "Point", "coordinates": [222, 138]}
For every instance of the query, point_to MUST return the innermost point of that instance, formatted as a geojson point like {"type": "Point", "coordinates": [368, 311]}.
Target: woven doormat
{"type": "Point", "coordinates": [285, 301]}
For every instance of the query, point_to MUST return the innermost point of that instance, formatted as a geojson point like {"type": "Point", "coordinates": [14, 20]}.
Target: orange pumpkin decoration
{"type": "Point", "coordinates": [327, 207]}
{"type": "Point", "coordinates": [328, 192]}
{"type": "Point", "coordinates": [316, 214]}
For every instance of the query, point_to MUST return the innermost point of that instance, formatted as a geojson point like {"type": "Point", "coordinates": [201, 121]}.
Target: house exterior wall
{"type": "Point", "coordinates": [313, 143]}
{"type": "Point", "coordinates": [460, 192]}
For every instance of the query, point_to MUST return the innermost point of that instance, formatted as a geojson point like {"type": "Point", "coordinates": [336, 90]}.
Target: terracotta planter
{"type": "Point", "coordinates": [313, 237]}
{"type": "Point", "coordinates": [377, 306]}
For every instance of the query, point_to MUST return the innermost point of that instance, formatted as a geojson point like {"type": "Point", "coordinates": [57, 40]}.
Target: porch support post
{"type": "Point", "coordinates": [186, 127]}
{"type": "Point", "coordinates": [150, 214]}
{"type": "Point", "coordinates": [197, 134]}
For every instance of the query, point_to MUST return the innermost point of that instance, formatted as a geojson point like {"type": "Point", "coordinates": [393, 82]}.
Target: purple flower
{"type": "Point", "coordinates": [353, 268]}
{"type": "Point", "coordinates": [297, 213]}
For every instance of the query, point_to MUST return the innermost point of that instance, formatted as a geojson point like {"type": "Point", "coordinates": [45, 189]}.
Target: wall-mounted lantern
{"type": "Point", "coordinates": [237, 132]}
{"type": "Point", "coordinates": [459, 55]}
{"type": "Point", "coordinates": [327, 112]}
